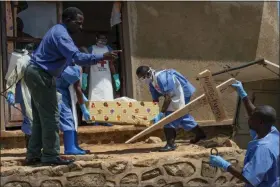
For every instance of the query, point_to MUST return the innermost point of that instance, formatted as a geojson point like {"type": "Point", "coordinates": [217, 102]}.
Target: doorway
{"type": "Point", "coordinates": [97, 16]}
{"type": "Point", "coordinates": [97, 20]}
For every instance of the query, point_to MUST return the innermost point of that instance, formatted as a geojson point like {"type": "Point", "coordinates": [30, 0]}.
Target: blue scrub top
{"type": "Point", "coordinates": [68, 77]}
{"type": "Point", "coordinates": [57, 51]}
{"type": "Point", "coordinates": [167, 84]}
{"type": "Point", "coordinates": [261, 164]}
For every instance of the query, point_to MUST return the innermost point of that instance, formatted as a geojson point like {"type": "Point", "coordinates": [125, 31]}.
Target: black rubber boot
{"type": "Point", "coordinates": [58, 161]}
{"type": "Point", "coordinates": [170, 135]}
{"type": "Point", "coordinates": [199, 135]}
{"type": "Point", "coordinates": [27, 138]}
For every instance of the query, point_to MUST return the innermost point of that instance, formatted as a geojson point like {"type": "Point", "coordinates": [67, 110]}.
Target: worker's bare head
{"type": "Point", "coordinates": [262, 119]}
{"type": "Point", "coordinates": [73, 18]}
{"type": "Point", "coordinates": [145, 73]}
{"type": "Point", "coordinates": [101, 39]}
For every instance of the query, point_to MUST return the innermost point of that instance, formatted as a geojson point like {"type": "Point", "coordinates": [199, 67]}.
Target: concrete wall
{"type": "Point", "coordinates": [194, 36]}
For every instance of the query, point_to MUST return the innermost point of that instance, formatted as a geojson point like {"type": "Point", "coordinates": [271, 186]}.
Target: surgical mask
{"type": "Point", "coordinates": [147, 81]}
{"type": "Point", "coordinates": [101, 42]}
{"type": "Point", "coordinates": [253, 134]}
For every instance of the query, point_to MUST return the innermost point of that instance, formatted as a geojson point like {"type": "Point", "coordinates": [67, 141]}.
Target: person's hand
{"type": "Point", "coordinates": [158, 117]}
{"type": "Point", "coordinates": [85, 112]}
{"type": "Point", "coordinates": [111, 55]}
{"type": "Point", "coordinates": [117, 81]}
{"type": "Point", "coordinates": [84, 81]}
{"type": "Point", "coordinates": [240, 90]}
{"type": "Point", "coordinates": [11, 98]}
{"type": "Point", "coordinates": [85, 98]}
{"type": "Point", "coordinates": [217, 161]}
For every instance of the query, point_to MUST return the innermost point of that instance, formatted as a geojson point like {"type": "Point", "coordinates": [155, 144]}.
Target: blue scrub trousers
{"type": "Point", "coordinates": [186, 122]}
{"type": "Point", "coordinates": [66, 119]}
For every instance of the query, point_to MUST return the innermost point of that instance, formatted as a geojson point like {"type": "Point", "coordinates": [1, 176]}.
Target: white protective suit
{"type": "Point", "coordinates": [17, 65]}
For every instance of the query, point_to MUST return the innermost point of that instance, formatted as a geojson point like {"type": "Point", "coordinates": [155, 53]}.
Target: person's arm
{"type": "Point", "coordinates": [81, 100]}
{"type": "Point", "coordinates": [166, 103]}
{"type": "Point", "coordinates": [254, 171]}
{"type": "Point", "coordinates": [244, 97]}
{"type": "Point", "coordinates": [167, 86]}
{"type": "Point", "coordinates": [250, 107]}
{"type": "Point", "coordinates": [79, 92]}
{"type": "Point", "coordinates": [68, 49]}
{"type": "Point", "coordinates": [154, 93]}
{"type": "Point", "coordinates": [237, 174]}
{"type": "Point", "coordinates": [111, 62]}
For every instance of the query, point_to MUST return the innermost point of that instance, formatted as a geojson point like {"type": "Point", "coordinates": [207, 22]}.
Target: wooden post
{"type": "Point", "coordinates": [193, 105]}
{"type": "Point", "coordinates": [2, 34]}
{"type": "Point", "coordinates": [213, 95]}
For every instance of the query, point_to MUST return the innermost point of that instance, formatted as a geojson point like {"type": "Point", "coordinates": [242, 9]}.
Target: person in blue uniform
{"type": "Point", "coordinates": [55, 52]}
{"type": "Point", "coordinates": [262, 161]}
{"type": "Point", "coordinates": [70, 76]}
{"type": "Point", "coordinates": [26, 123]}
{"type": "Point", "coordinates": [177, 92]}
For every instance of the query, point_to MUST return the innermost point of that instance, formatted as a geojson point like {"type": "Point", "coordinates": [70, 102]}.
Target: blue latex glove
{"type": "Point", "coordinates": [11, 98]}
{"type": "Point", "coordinates": [85, 112]}
{"type": "Point", "coordinates": [240, 90]}
{"type": "Point", "coordinates": [85, 98]}
{"type": "Point", "coordinates": [84, 81]}
{"type": "Point", "coordinates": [218, 161]}
{"type": "Point", "coordinates": [117, 81]}
{"type": "Point", "coordinates": [158, 117]}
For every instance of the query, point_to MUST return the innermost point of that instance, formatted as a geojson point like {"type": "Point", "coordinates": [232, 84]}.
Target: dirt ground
{"type": "Point", "coordinates": [143, 150]}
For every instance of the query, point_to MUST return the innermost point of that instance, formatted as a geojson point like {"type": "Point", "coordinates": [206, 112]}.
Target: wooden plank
{"type": "Point", "coordinates": [193, 105]}
{"type": "Point", "coordinates": [271, 64]}
{"type": "Point", "coordinates": [213, 95]}
{"type": "Point", "coordinates": [123, 112]}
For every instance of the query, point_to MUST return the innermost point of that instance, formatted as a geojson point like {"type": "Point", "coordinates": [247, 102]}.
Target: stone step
{"type": "Point", "coordinates": [86, 134]}
{"type": "Point", "coordinates": [129, 165]}
{"type": "Point", "coordinates": [108, 135]}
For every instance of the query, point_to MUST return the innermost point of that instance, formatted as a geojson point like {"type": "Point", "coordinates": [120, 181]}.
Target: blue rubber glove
{"type": "Point", "coordinates": [85, 112]}
{"type": "Point", "coordinates": [158, 117]}
{"type": "Point", "coordinates": [11, 98]}
{"type": "Point", "coordinates": [117, 81]}
{"type": "Point", "coordinates": [240, 90]}
{"type": "Point", "coordinates": [218, 161]}
{"type": "Point", "coordinates": [85, 98]}
{"type": "Point", "coordinates": [84, 81]}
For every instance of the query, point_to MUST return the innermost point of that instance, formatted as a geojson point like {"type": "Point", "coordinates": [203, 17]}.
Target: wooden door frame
{"type": "Point", "coordinates": [125, 40]}
{"type": "Point", "coordinates": [2, 30]}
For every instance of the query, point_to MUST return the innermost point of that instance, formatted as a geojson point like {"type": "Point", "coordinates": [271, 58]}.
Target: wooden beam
{"type": "Point", "coordinates": [271, 64]}
{"type": "Point", "coordinates": [193, 105]}
{"type": "Point", "coordinates": [2, 61]}
{"type": "Point", "coordinates": [213, 95]}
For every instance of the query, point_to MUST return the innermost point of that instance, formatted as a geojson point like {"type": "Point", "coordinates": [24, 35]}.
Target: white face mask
{"type": "Point", "coordinates": [147, 81]}
{"type": "Point", "coordinates": [150, 79]}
